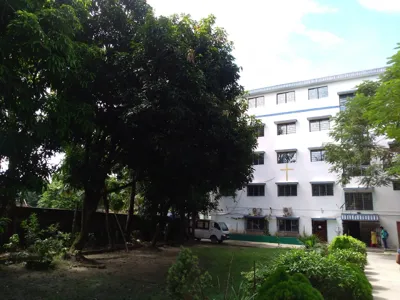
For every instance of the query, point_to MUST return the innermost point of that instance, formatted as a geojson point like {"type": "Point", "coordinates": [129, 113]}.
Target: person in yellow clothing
{"type": "Point", "coordinates": [374, 241]}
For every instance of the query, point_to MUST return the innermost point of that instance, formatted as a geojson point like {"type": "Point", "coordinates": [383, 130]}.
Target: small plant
{"type": "Point", "coordinates": [350, 256]}
{"type": "Point", "coordinates": [281, 286]}
{"type": "Point", "coordinates": [310, 241]}
{"type": "Point", "coordinates": [348, 242]}
{"type": "Point", "coordinates": [185, 279]}
{"type": "Point", "coordinates": [13, 243]}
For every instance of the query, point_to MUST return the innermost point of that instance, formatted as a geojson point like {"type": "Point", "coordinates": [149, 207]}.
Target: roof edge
{"type": "Point", "coordinates": [315, 81]}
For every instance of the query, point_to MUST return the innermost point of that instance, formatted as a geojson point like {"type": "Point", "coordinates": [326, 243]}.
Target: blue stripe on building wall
{"type": "Point", "coordinates": [297, 111]}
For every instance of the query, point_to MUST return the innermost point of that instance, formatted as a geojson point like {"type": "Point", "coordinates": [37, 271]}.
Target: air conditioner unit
{"type": "Point", "coordinates": [259, 211]}
{"type": "Point", "coordinates": [287, 211]}
{"type": "Point", "coordinates": [254, 211]}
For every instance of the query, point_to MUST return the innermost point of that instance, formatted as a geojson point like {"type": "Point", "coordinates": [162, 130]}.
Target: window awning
{"type": "Point", "coordinates": [316, 148]}
{"type": "Point", "coordinates": [360, 217]}
{"type": "Point", "coordinates": [286, 182]}
{"type": "Point", "coordinates": [256, 183]}
{"type": "Point", "coordinates": [358, 189]}
{"type": "Point", "coordinates": [287, 218]}
{"type": "Point", "coordinates": [319, 117]}
{"type": "Point", "coordinates": [254, 217]}
{"type": "Point", "coordinates": [286, 121]}
{"type": "Point", "coordinates": [323, 219]}
{"type": "Point", "coordinates": [286, 150]}
{"type": "Point", "coordinates": [322, 182]}
{"type": "Point", "coordinates": [347, 92]}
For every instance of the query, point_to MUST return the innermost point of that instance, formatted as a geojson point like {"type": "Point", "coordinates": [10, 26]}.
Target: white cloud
{"type": "Point", "coordinates": [261, 31]}
{"type": "Point", "coordinates": [382, 5]}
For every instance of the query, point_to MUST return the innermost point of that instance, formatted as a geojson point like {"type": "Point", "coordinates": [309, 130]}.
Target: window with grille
{"type": "Point", "coordinates": [256, 102]}
{"type": "Point", "coordinates": [317, 155]}
{"type": "Point", "coordinates": [317, 93]}
{"type": "Point", "coordinates": [258, 158]}
{"type": "Point", "coordinates": [254, 190]}
{"type": "Point", "coordinates": [260, 130]}
{"type": "Point", "coordinates": [320, 125]}
{"type": "Point", "coordinates": [396, 185]}
{"type": "Point", "coordinates": [362, 170]}
{"type": "Point", "coordinates": [287, 97]}
{"type": "Point", "coordinates": [343, 100]}
{"type": "Point", "coordinates": [322, 189]}
{"type": "Point", "coordinates": [286, 128]}
{"type": "Point", "coordinates": [287, 190]}
{"type": "Point", "coordinates": [358, 201]}
{"type": "Point", "coordinates": [256, 224]}
{"type": "Point", "coordinates": [286, 157]}
{"type": "Point", "coordinates": [288, 225]}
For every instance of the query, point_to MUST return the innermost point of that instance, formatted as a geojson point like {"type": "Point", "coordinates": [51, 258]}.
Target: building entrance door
{"type": "Point", "coordinates": [320, 228]}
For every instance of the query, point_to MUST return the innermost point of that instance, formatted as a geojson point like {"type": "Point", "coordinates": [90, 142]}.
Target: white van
{"type": "Point", "coordinates": [211, 230]}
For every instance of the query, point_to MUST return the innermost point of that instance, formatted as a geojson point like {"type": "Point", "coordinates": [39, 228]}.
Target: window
{"type": "Point", "coordinates": [285, 97]}
{"type": "Point", "coordinates": [358, 201]}
{"type": "Point", "coordinates": [396, 185]}
{"type": "Point", "coordinates": [322, 189]}
{"type": "Point", "coordinates": [286, 190]}
{"type": "Point", "coordinates": [317, 93]}
{"type": "Point", "coordinates": [343, 100]}
{"type": "Point", "coordinates": [256, 102]}
{"type": "Point", "coordinates": [286, 128]}
{"type": "Point", "coordinates": [286, 157]}
{"type": "Point", "coordinates": [202, 224]}
{"type": "Point", "coordinates": [317, 155]}
{"type": "Point", "coordinates": [288, 225]}
{"type": "Point", "coordinates": [256, 224]}
{"type": "Point", "coordinates": [362, 170]}
{"type": "Point", "coordinates": [258, 158]}
{"type": "Point", "coordinates": [260, 130]}
{"type": "Point", "coordinates": [254, 190]}
{"type": "Point", "coordinates": [216, 226]}
{"type": "Point", "coordinates": [319, 125]}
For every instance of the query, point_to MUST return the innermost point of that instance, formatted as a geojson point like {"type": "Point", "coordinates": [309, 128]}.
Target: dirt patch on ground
{"type": "Point", "coordinates": [138, 274]}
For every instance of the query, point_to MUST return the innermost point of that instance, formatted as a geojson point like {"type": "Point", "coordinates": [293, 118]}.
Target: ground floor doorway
{"type": "Point", "coordinates": [320, 229]}
{"type": "Point", "coordinates": [360, 230]}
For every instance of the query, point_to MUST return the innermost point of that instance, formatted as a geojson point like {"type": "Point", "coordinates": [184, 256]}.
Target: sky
{"type": "Point", "coordinates": [280, 41]}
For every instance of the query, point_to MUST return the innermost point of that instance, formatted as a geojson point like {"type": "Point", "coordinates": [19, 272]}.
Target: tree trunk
{"type": "Point", "coordinates": [183, 225]}
{"type": "Point", "coordinates": [90, 202]}
{"type": "Point", "coordinates": [194, 219]}
{"type": "Point", "coordinates": [107, 208]}
{"type": "Point", "coordinates": [156, 234]}
{"type": "Point", "coordinates": [129, 219]}
{"type": "Point", "coordinates": [75, 220]}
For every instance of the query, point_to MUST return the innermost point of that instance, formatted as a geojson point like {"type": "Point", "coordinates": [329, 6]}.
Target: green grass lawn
{"type": "Point", "coordinates": [221, 261]}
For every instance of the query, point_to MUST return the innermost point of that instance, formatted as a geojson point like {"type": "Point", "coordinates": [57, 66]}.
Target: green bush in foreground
{"type": "Point", "coordinates": [333, 278]}
{"type": "Point", "coordinates": [350, 256]}
{"type": "Point", "coordinates": [282, 286]}
{"type": "Point", "coordinates": [348, 242]}
{"type": "Point", "coordinates": [186, 279]}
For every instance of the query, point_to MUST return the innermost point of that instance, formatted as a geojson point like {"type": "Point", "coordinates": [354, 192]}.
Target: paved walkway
{"type": "Point", "coordinates": [384, 275]}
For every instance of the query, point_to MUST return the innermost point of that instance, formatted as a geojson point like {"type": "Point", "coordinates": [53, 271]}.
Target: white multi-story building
{"type": "Point", "coordinates": [293, 191]}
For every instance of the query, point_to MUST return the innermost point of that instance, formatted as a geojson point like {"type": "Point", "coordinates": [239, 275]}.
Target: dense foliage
{"type": "Point", "coordinates": [119, 91]}
{"type": "Point", "coordinates": [359, 130]}
{"type": "Point", "coordinates": [348, 242]}
{"type": "Point", "coordinates": [282, 286]}
{"type": "Point", "coordinates": [350, 256]}
{"type": "Point", "coordinates": [333, 278]}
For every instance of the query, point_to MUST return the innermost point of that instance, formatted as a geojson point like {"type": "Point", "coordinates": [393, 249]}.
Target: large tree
{"type": "Point", "coordinates": [362, 130]}
{"type": "Point", "coordinates": [36, 50]}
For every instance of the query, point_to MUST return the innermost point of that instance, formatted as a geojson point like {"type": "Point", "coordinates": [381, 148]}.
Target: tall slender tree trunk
{"type": "Point", "coordinates": [107, 208]}
{"type": "Point", "coordinates": [75, 220]}
{"type": "Point", "coordinates": [90, 203]}
{"type": "Point", "coordinates": [129, 218]}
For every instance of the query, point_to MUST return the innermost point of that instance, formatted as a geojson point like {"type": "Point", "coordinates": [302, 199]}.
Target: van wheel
{"type": "Point", "coordinates": [213, 239]}
{"type": "Point", "coordinates": [220, 241]}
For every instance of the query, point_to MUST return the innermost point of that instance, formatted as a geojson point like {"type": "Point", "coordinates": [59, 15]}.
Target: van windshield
{"type": "Point", "coordinates": [223, 226]}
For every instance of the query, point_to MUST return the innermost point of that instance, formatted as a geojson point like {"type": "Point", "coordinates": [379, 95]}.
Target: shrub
{"type": "Point", "coordinates": [3, 224]}
{"type": "Point", "coordinates": [310, 241]}
{"type": "Point", "coordinates": [281, 286]}
{"type": "Point", "coordinates": [348, 242]}
{"type": "Point", "coordinates": [185, 278]}
{"type": "Point", "coordinates": [330, 276]}
{"type": "Point", "coordinates": [13, 243]}
{"type": "Point", "coordinates": [350, 256]}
